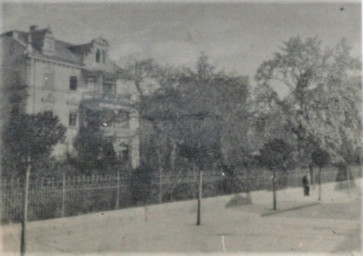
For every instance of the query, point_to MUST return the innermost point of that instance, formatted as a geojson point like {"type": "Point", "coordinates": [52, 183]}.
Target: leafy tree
{"type": "Point", "coordinates": [320, 158]}
{"type": "Point", "coordinates": [148, 78]}
{"type": "Point", "coordinates": [276, 155]}
{"type": "Point", "coordinates": [188, 116]}
{"type": "Point", "coordinates": [321, 105]}
{"type": "Point", "coordinates": [94, 150]}
{"type": "Point", "coordinates": [344, 176]}
{"type": "Point", "coordinates": [29, 139]}
{"type": "Point", "coordinates": [142, 73]}
{"type": "Point", "coordinates": [191, 114]}
{"type": "Point", "coordinates": [141, 184]}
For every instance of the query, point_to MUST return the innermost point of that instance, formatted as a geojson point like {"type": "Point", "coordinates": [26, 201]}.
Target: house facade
{"type": "Point", "coordinates": [43, 74]}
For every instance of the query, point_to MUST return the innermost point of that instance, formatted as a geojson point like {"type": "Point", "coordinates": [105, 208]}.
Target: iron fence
{"type": "Point", "coordinates": [67, 196]}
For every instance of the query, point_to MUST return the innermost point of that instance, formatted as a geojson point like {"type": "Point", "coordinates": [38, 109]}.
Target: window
{"type": "Point", "coordinates": [103, 56]}
{"type": "Point", "coordinates": [48, 114]}
{"type": "Point", "coordinates": [49, 79]}
{"type": "Point", "coordinates": [108, 90]}
{"type": "Point", "coordinates": [15, 109]}
{"type": "Point", "coordinates": [73, 119]}
{"type": "Point", "coordinates": [122, 120]}
{"type": "Point", "coordinates": [124, 152]}
{"type": "Point", "coordinates": [73, 83]}
{"type": "Point", "coordinates": [98, 55]}
{"type": "Point", "coordinates": [50, 45]}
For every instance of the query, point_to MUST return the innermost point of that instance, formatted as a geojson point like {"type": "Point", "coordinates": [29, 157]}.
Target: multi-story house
{"type": "Point", "coordinates": [43, 74]}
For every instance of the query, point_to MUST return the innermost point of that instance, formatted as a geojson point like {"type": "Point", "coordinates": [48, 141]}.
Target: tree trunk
{"type": "Point", "coordinates": [319, 189]}
{"type": "Point", "coordinates": [248, 193]}
{"type": "Point", "coordinates": [194, 182]}
{"type": "Point", "coordinates": [160, 186]}
{"type": "Point", "coordinates": [199, 197]}
{"type": "Point", "coordinates": [274, 189]}
{"type": "Point", "coordinates": [160, 177]}
{"type": "Point", "coordinates": [348, 180]}
{"type": "Point", "coordinates": [25, 210]}
{"type": "Point", "coordinates": [312, 176]}
{"type": "Point", "coordinates": [299, 151]}
{"type": "Point", "coordinates": [173, 156]}
{"type": "Point", "coordinates": [145, 210]}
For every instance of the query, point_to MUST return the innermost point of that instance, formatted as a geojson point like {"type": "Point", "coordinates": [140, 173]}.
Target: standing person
{"type": "Point", "coordinates": [306, 185]}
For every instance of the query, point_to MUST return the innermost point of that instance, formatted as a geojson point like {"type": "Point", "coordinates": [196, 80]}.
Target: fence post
{"type": "Point", "coordinates": [25, 210]}
{"type": "Point", "coordinates": [63, 192]}
{"type": "Point", "coordinates": [199, 196]}
{"type": "Point", "coordinates": [117, 204]}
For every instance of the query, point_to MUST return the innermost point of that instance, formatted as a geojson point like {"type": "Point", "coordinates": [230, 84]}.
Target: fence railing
{"type": "Point", "coordinates": [67, 196]}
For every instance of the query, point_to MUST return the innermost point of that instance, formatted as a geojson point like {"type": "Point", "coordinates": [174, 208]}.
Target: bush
{"type": "Point", "coordinates": [343, 170]}
{"type": "Point", "coordinates": [141, 184]}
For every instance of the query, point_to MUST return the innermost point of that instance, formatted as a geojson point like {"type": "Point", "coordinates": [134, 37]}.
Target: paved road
{"type": "Point", "coordinates": [332, 226]}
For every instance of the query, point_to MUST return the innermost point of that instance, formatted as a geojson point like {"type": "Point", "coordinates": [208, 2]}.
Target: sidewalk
{"type": "Point", "coordinates": [293, 198]}
{"type": "Point", "coordinates": [171, 227]}
{"type": "Point", "coordinates": [328, 194]}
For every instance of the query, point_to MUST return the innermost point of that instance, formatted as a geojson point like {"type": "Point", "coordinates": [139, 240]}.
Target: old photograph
{"type": "Point", "coordinates": [180, 127]}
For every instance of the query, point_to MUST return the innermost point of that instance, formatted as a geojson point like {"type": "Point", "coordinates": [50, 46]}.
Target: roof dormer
{"type": "Point", "coordinates": [100, 46]}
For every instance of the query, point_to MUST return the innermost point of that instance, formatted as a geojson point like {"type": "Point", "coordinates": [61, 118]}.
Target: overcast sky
{"type": "Point", "coordinates": [238, 37]}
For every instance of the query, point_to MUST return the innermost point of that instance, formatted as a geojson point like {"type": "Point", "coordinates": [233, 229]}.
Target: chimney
{"type": "Point", "coordinates": [16, 35]}
{"type": "Point", "coordinates": [33, 28]}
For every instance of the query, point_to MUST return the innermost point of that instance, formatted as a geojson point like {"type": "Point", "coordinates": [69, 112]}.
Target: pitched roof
{"type": "Point", "coordinates": [81, 49]}
{"type": "Point", "coordinates": [63, 51]}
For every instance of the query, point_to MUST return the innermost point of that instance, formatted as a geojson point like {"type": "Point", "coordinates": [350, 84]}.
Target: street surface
{"type": "Point", "coordinates": [332, 225]}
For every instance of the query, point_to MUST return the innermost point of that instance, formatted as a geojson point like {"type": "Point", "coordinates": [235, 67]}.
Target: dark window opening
{"type": "Point", "coordinates": [98, 55]}
{"type": "Point", "coordinates": [103, 56]}
{"type": "Point", "coordinates": [124, 152]}
{"type": "Point", "coordinates": [73, 119]}
{"type": "Point", "coordinates": [15, 109]}
{"type": "Point", "coordinates": [73, 83]}
{"type": "Point", "coordinates": [48, 114]}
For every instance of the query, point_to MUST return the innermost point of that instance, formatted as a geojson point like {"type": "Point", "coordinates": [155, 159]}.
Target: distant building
{"type": "Point", "coordinates": [43, 74]}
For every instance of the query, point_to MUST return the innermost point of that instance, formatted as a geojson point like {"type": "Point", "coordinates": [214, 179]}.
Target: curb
{"type": "Point", "coordinates": [289, 209]}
